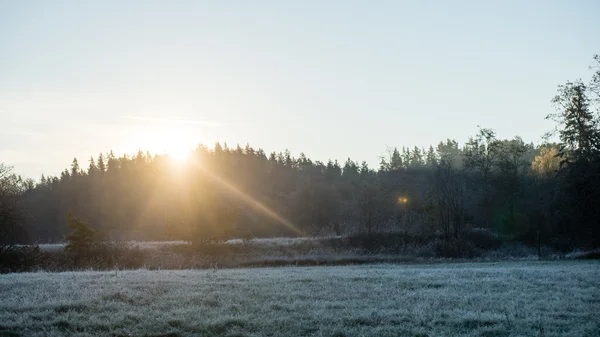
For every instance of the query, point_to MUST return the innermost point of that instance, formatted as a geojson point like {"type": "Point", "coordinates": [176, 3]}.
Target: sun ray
{"type": "Point", "coordinates": [249, 200]}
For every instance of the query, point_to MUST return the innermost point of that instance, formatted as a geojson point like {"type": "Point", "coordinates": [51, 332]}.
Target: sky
{"type": "Point", "coordinates": [333, 79]}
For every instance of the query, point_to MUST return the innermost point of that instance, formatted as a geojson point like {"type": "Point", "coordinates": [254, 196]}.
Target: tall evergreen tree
{"type": "Point", "coordinates": [579, 132]}
{"type": "Point", "coordinates": [406, 156]}
{"type": "Point", "coordinates": [112, 162]}
{"type": "Point", "coordinates": [101, 163]}
{"type": "Point", "coordinates": [416, 158]}
{"type": "Point", "coordinates": [75, 169]}
{"type": "Point", "coordinates": [431, 158]}
{"type": "Point", "coordinates": [395, 160]}
{"type": "Point", "coordinates": [92, 168]}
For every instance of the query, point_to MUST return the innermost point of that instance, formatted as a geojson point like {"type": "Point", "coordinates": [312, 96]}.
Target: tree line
{"type": "Point", "coordinates": [548, 192]}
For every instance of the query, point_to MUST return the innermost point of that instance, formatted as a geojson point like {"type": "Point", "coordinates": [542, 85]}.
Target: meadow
{"type": "Point", "coordinates": [278, 242]}
{"type": "Point", "coordinates": [527, 298]}
{"type": "Point", "coordinates": [474, 245]}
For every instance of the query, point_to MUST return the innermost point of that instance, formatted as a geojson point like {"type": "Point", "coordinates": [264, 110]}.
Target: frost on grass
{"type": "Point", "coordinates": [284, 241]}
{"type": "Point", "coordinates": [141, 244]}
{"type": "Point", "coordinates": [503, 299]}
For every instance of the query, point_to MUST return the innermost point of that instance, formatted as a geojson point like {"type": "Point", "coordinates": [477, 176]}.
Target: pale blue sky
{"type": "Point", "coordinates": [334, 79]}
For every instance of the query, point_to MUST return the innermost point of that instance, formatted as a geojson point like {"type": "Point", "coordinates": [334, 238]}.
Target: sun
{"type": "Point", "coordinates": [176, 143]}
{"type": "Point", "coordinates": [180, 154]}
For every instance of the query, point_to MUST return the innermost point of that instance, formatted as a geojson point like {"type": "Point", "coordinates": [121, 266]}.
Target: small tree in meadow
{"type": "Point", "coordinates": [82, 238]}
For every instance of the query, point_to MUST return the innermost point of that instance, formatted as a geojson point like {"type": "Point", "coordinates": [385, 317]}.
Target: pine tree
{"type": "Point", "coordinates": [449, 152]}
{"type": "Point", "coordinates": [140, 158]}
{"type": "Point", "coordinates": [218, 149]}
{"type": "Point", "coordinates": [332, 170]}
{"type": "Point", "coordinates": [395, 161]}
{"type": "Point", "coordinates": [101, 165]}
{"type": "Point", "coordinates": [75, 170]}
{"type": "Point", "coordinates": [416, 159]}
{"type": "Point", "coordinates": [579, 131]}
{"type": "Point", "coordinates": [64, 175]}
{"type": "Point", "coordinates": [92, 168]}
{"type": "Point", "coordinates": [579, 128]}
{"type": "Point", "coordinates": [364, 169]}
{"type": "Point", "coordinates": [303, 162]}
{"type": "Point", "coordinates": [248, 150]}
{"type": "Point", "coordinates": [431, 158]}
{"type": "Point", "coordinates": [350, 169]}
{"type": "Point", "coordinates": [287, 157]}
{"type": "Point", "coordinates": [406, 156]}
{"type": "Point", "coordinates": [112, 162]}
{"type": "Point", "coordinates": [238, 149]}
{"type": "Point", "coordinates": [384, 166]}
{"type": "Point", "coordinates": [82, 237]}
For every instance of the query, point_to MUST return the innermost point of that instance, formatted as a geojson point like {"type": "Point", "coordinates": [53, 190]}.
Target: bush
{"type": "Point", "coordinates": [20, 259]}
{"type": "Point", "coordinates": [379, 242]}
{"type": "Point", "coordinates": [82, 239]}
{"type": "Point", "coordinates": [513, 250]}
{"type": "Point", "coordinates": [213, 249]}
{"type": "Point", "coordinates": [482, 238]}
{"type": "Point", "coordinates": [86, 249]}
{"type": "Point", "coordinates": [585, 255]}
{"type": "Point", "coordinates": [455, 248]}
{"type": "Point", "coordinates": [108, 255]}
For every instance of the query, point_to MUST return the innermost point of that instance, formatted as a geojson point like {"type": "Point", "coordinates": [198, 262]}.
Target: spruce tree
{"type": "Point", "coordinates": [101, 164]}
{"type": "Point", "coordinates": [82, 238]}
{"type": "Point", "coordinates": [75, 170]}
{"type": "Point", "coordinates": [395, 161]}
{"type": "Point", "coordinates": [92, 168]}
{"type": "Point", "coordinates": [579, 128]}
{"type": "Point", "coordinates": [431, 157]}
{"type": "Point", "coordinates": [416, 159]}
{"type": "Point", "coordinates": [406, 156]}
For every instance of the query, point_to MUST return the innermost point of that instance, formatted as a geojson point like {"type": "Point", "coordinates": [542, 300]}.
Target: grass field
{"type": "Point", "coordinates": [159, 244]}
{"type": "Point", "coordinates": [472, 299]}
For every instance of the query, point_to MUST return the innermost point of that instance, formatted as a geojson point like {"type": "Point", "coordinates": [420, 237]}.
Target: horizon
{"type": "Point", "coordinates": [334, 81]}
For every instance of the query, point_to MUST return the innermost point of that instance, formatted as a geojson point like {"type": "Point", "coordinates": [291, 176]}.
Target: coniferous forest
{"type": "Point", "coordinates": [537, 194]}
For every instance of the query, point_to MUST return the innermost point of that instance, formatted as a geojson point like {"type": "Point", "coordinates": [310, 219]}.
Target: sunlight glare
{"type": "Point", "coordinates": [179, 153]}
{"type": "Point", "coordinates": [177, 143]}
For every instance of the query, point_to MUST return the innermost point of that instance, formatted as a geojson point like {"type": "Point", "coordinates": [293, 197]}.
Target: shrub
{"type": "Point", "coordinates": [513, 250]}
{"type": "Point", "coordinates": [585, 255]}
{"type": "Point", "coordinates": [20, 259]}
{"type": "Point", "coordinates": [379, 242]}
{"type": "Point", "coordinates": [482, 238]}
{"type": "Point", "coordinates": [456, 248]}
{"type": "Point", "coordinates": [212, 248]}
{"type": "Point", "coordinates": [86, 248]}
{"type": "Point", "coordinates": [120, 255]}
{"type": "Point", "coordinates": [82, 239]}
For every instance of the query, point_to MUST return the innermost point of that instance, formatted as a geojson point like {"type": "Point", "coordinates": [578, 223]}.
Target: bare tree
{"type": "Point", "coordinates": [448, 197]}
{"type": "Point", "coordinates": [11, 213]}
{"type": "Point", "coordinates": [481, 155]}
{"type": "Point", "coordinates": [372, 206]}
